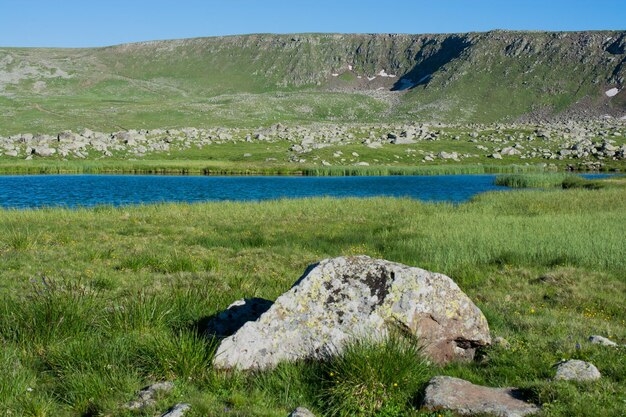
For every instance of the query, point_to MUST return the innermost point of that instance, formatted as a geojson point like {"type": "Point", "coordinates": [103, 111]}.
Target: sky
{"type": "Point", "coordinates": [85, 23]}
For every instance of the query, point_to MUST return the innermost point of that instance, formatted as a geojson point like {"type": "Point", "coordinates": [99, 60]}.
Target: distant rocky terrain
{"type": "Point", "coordinates": [497, 76]}
{"type": "Point", "coordinates": [582, 144]}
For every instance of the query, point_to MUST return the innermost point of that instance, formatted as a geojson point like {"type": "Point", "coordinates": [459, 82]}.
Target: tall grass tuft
{"type": "Point", "coordinates": [374, 377]}
{"type": "Point", "coordinates": [55, 309]}
{"type": "Point", "coordinates": [419, 170]}
{"type": "Point", "coordinates": [186, 355]}
{"type": "Point", "coordinates": [532, 180]}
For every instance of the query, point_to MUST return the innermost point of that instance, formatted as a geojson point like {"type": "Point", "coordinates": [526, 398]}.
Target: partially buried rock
{"type": "Point", "coordinates": [576, 370]}
{"type": "Point", "coordinates": [178, 410]}
{"type": "Point", "coordinates": [601, 340]}
{"type": "Point", "coordinates": [358, 297]}
{"type": "Point", "coordinates": [301, 412]}
{"type": "Point", "coordinates": [145, 397]}
{"type": "Point", "coordinates": [465, 398]}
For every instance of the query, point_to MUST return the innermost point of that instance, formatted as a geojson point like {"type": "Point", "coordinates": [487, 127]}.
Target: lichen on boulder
{"type": "Point", "coordinates": [358, 297]}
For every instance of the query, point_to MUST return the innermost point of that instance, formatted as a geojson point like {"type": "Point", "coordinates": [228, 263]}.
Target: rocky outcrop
{"type": "Point", "coordinates": [467, 399]}
{"type": "Point", "coordinates": [358, 297]}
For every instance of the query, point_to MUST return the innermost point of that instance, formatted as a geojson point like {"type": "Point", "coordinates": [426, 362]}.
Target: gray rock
{"type": "Point", "coordinates": [145, 397]}
{"type": "Point", "coordinates": [350, 297]}
{"type": "Point", "coordinates": [446, 155]}
{"type": "Point", "coordinates": [401, 141]}
{"type": "Point", "coordinates": [178, 410]}
{"type": "Point", "coordinates": [601, 340]}
{"type": "Point", "coordinates": [44, 151]}
{"type": "Point", "coordinates": [13, 153]}
{"type": "Point", "coordinates": [495, 156]}
{"type": "Point", "coordinates": [465, 398]}
{"type": "Point", "coordinates": [576, 370]}
{"type": "Point", "coordinates": [301, 412]}
{"type": "Point", "coordinates": [510, 151]}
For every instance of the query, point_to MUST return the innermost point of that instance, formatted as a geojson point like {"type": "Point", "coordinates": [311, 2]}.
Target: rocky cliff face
{"type": "Point", "coordinates": [312, 58]}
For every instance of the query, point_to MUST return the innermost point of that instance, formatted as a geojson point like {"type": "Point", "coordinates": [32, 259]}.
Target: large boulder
{"type": "Point", "coordinates": [467, 399]}
{"type": "Point", "coordinates": [358, 297]}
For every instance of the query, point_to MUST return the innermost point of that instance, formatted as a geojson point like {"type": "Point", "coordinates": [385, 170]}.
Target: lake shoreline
{"type": "Point", "coordinates": [109, 168]}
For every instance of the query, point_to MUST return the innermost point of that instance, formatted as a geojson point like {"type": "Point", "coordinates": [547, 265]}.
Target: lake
{"type": "Point", "coordinates": [34, 191]}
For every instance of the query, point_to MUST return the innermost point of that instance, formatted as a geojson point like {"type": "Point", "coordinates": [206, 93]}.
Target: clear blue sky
{"type": "Point", "coordinates": [76, 23]}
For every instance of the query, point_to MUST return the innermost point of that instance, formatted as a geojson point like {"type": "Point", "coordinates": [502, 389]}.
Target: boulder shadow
{"type": "Point", "coordinates": [229, 321]}
{"type": "Point", "coordinates": [235, 316]}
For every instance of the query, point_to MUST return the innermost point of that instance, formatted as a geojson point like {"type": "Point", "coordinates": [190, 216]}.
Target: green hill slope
{"type": "Point", "coordinates": [260, 79]}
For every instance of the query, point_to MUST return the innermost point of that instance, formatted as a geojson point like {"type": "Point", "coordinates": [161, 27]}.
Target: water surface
{"type": "Point", "coordinates": [33, 191]}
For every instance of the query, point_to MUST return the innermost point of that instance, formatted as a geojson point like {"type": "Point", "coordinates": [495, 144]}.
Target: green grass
{"type": "Point", "coordinates": [247, 168]}
{"type": "Point", "coordinates": [374, 378]}
{"type": "Point", "coordinates": [532, 181]}
{"type": "Point", "coordinates": [97, 303]}
{"type": "Point", "coordinates": [554, 180]}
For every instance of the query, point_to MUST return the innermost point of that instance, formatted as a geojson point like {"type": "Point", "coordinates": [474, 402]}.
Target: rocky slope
{"type": "Point", "coordinates": [484, 77]}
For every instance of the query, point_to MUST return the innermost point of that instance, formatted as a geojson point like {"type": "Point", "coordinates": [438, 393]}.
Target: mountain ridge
{"type": "Point", "coordinates": [499, 75]}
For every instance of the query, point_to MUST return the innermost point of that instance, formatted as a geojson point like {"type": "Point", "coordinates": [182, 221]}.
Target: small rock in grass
{"type": "Point", "coordinates": [502, 342]}
{"type": "Point", "coordinates": [465, 398]}
{"type": "Point", "coordinates": [576, 370]}
{"type": "Point", "coordinates": [601, 340]}
{"type": "Point", "coordinates": [178, 410]}
{"type": "Point", "coordinates": [301, 412]}
{"type": "Point", "coordinates": [145, 397]}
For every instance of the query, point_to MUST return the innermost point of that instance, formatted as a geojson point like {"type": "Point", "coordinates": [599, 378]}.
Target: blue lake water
{"type": "Point", "coordinates": [33, 191]}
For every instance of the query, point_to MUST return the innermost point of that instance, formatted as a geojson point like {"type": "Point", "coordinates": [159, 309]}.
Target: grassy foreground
{"type": "Point", "coordinates": [98, 303]}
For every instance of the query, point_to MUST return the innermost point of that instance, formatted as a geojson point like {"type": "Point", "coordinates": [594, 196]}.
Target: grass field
{"type": "Point", "coordinates": [98, 303]}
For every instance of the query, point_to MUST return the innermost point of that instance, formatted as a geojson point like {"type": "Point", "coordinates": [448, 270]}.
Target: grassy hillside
{"type": "Point", "coordinates": [261, 79]}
